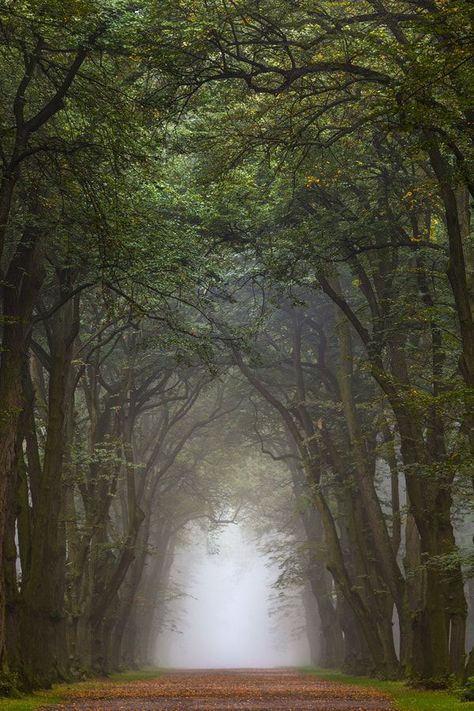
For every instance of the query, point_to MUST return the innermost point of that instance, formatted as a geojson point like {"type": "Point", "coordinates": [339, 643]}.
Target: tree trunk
{"type": "Point", "coordinates": [22, 284]}
{"type": "Point", "coordinates": [45, 624]}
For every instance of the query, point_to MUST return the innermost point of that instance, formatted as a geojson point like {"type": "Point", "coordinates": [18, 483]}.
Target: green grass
{"type": "Point", "coordinates": [405, 698]}
{"type": "Point", "coordinates": [28, 703]}
{"type": "Point", "coordinates": [55, 695]}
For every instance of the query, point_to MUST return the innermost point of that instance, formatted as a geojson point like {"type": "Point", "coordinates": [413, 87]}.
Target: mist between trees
{"type": "Point", "coordinates": [237, 277]}
{"type": "Point", "coordinates": [229, 606]}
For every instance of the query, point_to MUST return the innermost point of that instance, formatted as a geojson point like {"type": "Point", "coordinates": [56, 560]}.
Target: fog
{"type": "Point", "coordinates": [227, 613]}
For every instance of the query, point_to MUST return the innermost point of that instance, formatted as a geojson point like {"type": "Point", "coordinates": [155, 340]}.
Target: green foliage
{"type": "Point", "coordinates": [9, 683]}
{"type": "Point", "coordinates": [467, 693]}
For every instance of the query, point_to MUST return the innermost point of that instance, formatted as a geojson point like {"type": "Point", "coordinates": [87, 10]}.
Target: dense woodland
{"type": "Point", "coordinates": [237, 279]}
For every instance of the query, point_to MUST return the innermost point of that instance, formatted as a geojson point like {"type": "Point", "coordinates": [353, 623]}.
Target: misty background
{"type": "Point", "coordinates": [228, 614]}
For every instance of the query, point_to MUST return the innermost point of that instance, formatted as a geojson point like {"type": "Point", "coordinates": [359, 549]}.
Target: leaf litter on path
{"type": "Point", "coordinates": [219, 690]}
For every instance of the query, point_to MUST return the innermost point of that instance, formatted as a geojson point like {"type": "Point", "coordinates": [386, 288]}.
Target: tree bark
{"type": "Point", "coordinates": [44, 623]}
{"type": "Point", "coordinates": [22, 284]}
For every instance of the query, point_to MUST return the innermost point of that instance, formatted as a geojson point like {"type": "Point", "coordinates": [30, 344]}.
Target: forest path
{"type": "Point", "coordinates": [225, 690]}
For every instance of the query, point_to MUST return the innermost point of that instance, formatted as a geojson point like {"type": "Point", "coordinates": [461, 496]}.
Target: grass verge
{"type": "Point", "coordinates": [56, 696]}
{"type": "Point", "coordinates": [405, 698]}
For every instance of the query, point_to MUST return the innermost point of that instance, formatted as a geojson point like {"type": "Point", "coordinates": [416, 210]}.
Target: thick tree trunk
{"type": "Point", "coordinates": [21, 286]}
{"type": "Point", "coordinates": [382, 542]}
{"type": "Point", "coordinates": [331, 646]}
{"type": "Point", "coordinates": [438, 636]}
{"type": "Point", "coordinates": [357, 657]}
{"type": "Point", "coordinates": [316, 642]}
{"type": "Point", "coordinates": [331, 643]}
{"type": "Point", "coordinates": [43, 593]}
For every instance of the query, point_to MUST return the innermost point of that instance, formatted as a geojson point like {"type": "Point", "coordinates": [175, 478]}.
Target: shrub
{"type": "Point", "coordinates": [9, 683]}
{"type": "Point", "coordinates": [468, 691]}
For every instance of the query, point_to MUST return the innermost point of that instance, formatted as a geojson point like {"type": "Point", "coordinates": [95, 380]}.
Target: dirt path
{"type": "Point", "coordinates": [223, 691]}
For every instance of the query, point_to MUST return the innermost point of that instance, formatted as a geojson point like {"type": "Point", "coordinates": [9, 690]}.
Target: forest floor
{"type": "Point", "coordinates": [257, 690]}
{"type": "Point", "coordinates": [253, 690]}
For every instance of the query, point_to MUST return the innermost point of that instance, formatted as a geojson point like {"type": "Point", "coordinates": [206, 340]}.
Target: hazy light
{"type": "Point", "coordinates": [224, 619]}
